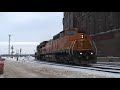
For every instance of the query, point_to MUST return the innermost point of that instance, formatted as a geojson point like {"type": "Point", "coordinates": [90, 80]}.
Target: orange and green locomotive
{"type": "Point", "coordinates": [69, 46]}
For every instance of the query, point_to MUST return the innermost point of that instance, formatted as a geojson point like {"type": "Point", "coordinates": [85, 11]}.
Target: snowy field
{"type": "Point", "coordinates": [56, 71]}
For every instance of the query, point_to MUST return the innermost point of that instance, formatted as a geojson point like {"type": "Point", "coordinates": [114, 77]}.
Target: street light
{"type": "Point", "coordinates": [9, 44]}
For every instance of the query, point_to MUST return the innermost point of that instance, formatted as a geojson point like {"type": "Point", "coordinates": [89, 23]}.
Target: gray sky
{"type": "Point", "coordinates": [28, 28]}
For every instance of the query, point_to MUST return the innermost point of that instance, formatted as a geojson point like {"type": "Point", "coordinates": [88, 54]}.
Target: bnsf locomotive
{"type": "Point", "coordinates": [69, 46]}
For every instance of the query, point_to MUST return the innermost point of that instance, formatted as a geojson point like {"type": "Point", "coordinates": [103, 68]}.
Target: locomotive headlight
{"type": "Point", "coordinates": [80, 53]}
{"type": "Point", "coordinates": [91, 53]}
{"type": "Point", "coordinates": [82, 36]}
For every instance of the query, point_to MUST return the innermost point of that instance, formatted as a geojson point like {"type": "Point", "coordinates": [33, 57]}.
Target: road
{"type": "Point", "coordinates": [19, 70]}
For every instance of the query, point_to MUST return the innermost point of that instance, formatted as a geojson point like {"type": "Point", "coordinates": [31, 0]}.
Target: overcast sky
{"type": "Point", "coordinates": [27, 29]}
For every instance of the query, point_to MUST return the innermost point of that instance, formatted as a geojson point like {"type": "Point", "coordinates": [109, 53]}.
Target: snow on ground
{"type": "Point", "coordinates": [62, 71]}
{"type": "Point", "coordinates": [1, 76]}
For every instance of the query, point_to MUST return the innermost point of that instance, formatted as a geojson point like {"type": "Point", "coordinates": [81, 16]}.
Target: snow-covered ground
{"type": "Point", "coordinates": [59, 71]}
{"type": "Point", "coordinates": [1, 76]}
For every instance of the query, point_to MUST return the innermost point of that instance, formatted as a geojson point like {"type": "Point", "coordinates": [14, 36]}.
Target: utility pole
{"type": "Point", "coordinates": [20, 51]}
{"type": "Point", "coordinates": [12, 50]}
{"type": "Point", "coordinates": [9, 44]}
{"type": "Point", "coordinates": [17, 54]}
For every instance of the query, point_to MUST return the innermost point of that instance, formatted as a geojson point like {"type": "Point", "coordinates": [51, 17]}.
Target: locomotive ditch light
{"type": "Point", "coordinates": [82, 36]}
{"type": "Point", "coordinates": [91, 53]}
{"type": "Point", "coordinates": [80, 53]}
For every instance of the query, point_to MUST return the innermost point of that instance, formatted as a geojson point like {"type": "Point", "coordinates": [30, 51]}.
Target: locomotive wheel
{"type": "Point", "coordinates": [58, 59]}
{"type": "Point", "coordinates": [66, 59]}
{"type": "Point", "coordinates": [53, 58]}
{"type": "Point", "coordinates": [77, 61]}
{"type": "Point", "coordinates": [94, 61]}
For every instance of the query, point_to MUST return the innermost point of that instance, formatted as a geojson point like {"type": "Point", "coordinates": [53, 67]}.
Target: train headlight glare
{"type": "Point", "coordinates": [82, 36]}
{"type": "Point", "coordinates": [91, 53]}
{"type": "Point", "coordinates": [80, 53]}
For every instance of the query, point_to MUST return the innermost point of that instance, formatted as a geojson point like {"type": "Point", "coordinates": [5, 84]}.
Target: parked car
{"type": "Point", "coordinates": [1, 65]}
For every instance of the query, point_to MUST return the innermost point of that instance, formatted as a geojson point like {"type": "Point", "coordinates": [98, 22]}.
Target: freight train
{"type": "Point", "coordinates": [68, 46]}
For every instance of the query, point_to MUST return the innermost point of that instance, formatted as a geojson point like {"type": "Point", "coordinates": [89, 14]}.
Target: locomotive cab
{"type": "Point", "coordinates": [81, 46]}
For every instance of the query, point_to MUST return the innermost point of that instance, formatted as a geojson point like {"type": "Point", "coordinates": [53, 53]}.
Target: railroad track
{"type": "Point", "coordinates": [111, 68]}
{"type": "Point", "coordinates": [108, 65]}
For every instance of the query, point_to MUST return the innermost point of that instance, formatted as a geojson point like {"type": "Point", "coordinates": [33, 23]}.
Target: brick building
{"type": "Point", "coordinates": [102, 26]}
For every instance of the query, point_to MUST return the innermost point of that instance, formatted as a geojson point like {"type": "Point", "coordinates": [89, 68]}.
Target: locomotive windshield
{"type": "Point", "coordinates": [71, 32]}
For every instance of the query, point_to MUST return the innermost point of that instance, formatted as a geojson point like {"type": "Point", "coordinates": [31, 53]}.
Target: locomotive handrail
{"type": "Point", "coordinates": [71, 47]}
{"type": "Point", "coordinates": [95, 47]}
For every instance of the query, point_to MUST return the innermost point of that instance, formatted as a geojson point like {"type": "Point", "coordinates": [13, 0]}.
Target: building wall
{"type": "Point", "coordinates": [93, 23]}
{"type": "Point", "coordinates": [108, 44]}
